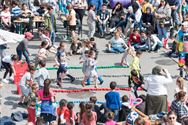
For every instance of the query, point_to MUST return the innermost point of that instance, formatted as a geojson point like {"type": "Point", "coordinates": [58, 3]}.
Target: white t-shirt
{"type": "Point", "coordinates": [7, 59]}
{"type": "Point", "coordinates": [6, 16]}
{"type": "Point", "coordinates": [25, 78]}
{"type": "Point", "coordinates": [45, 39]}
{"type": "Point", "coordinates": [42, 53]}
{"type": "Point", "coordinates": [41, 75]}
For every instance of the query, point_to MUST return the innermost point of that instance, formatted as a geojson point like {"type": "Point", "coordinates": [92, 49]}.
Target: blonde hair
{"type": "Point", "coordinates": [180, 82]}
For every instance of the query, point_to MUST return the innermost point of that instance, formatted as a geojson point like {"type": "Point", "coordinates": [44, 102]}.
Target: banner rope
{"type": "Point", "coordinates": [90, 89]}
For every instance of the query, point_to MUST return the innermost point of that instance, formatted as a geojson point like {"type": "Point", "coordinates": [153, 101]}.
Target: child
{"type": "Point", "coordinates": [123, 113]}
{"type": "Point", "coordinates": [180, 85]}
{"type": "Point", "coordinates": [61, 111]}
{"type": "Point", "coordinates": [31, 111]}
{"type": "Point", "coordinates": [42, 74]}
{"type": "Point", "coordinates": [26, 83]}
{"type": "Point", "coordinates": [90, 69]}
{"type": "Point", "coordinates": [46, 39]}
{"type": "Point", "coordinates": [137, 80]}
{"type": "Point", "coordinates": [89, 117]}
{"type": "Point", "coordinates": [129, 51]}
{"type": "Point", "coordinates": [70, 115]}
{"type": "Point", "coordinates": [42, 54]}
{"type": "Point", "coordinates": [62, 64]}
{"type": "Point", "coordinates": [110, 120]}
{"type": "Point", "coordinates": [76, 46]}
{"type": "Point", "coordinates": [82, 107]}
{"type": "Point", "coordinates": [134, 38]}
{"type": "Point", "coordinates": [136, 62]}
{"type": "Point", "coordinates": [7, 63]}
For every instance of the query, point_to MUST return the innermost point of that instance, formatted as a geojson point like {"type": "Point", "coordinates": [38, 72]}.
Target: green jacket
{"type": "Point", "coordinates": [47, 22]}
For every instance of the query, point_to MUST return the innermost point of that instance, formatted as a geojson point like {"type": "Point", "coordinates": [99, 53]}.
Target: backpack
{"type": "Point", "coordinates": [47, 107]}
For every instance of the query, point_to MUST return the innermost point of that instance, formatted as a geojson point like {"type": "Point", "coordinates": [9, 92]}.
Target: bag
{"type": "Point", "coordinates": [167, 22]}
{"type": "Point", "coordinates": [5, 120]}
{"type": "Point", "coordinates": [17, 116]}
{"type": "Point", "coordinates": [47, 107]}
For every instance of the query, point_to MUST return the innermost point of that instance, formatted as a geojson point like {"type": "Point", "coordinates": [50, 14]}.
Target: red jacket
{"type": "Point", "coordinates": [132, 40]}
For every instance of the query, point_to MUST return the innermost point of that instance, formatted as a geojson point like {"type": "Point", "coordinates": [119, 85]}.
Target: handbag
{"type": "Point", "coordinates": [167, 22]}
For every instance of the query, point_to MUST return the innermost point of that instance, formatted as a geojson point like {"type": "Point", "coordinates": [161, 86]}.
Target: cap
{"type": "Point", "coordinates": [185, 23]}
{"type": "Point", "coordinates": [28, 35]}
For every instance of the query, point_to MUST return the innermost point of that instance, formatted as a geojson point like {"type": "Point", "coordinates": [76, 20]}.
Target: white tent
{"type": "Point", "coordinates": [9, 37]}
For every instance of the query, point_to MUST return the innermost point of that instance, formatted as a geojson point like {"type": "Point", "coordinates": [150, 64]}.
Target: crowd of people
{"type": "Point", "coordinates": [145, 26]}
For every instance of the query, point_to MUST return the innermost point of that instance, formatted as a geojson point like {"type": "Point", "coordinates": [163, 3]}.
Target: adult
{"type": "Point", "coordinates": [80, 8]}
{"type": "Point", "coordinates": [138, 15]}
{"type": "Point", "coordinates": [28, 15]}
{"type": "Point", "coordinates": [156, 86]}
{"type": "Point", "coordinates": [102, 19]}
{"type": "Point", "coordinates": [71, 20]}
{"type": "Point", "coordinates": [179, 105]}
{"type": "Point", "coordinates": [171, 119]}
{"type": "Point", "coordinates": [47, 97]}
{"type": "Point", "coordinates": [6, 18]}
{"type": "Point", "coordinates": [50, 23]}
{"type": "Point", "coordinates": [117, 14]}
{"type": "Point", "coordinates": [22, 48]}
{"type": "Point", "coordinates": [2, 53]}
{"type": "Point", "coordinates": [162, 14]}
{"type": "Point", "coordinates": [91, 21]}
{"type": "Point", "coordinates": [175, 7]}
{"type": "Point", "coordinates": [113, 100]}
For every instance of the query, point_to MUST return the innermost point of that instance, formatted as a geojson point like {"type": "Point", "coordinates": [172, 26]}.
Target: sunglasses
{"type": "Point", "coordinates": [171, 118]}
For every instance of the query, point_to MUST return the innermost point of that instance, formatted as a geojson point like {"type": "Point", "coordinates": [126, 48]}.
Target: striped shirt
{"type": "Point", "coordinates": [16, 11]}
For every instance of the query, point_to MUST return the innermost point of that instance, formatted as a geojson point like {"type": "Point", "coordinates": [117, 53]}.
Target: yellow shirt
{"type": "Point", "coordinates": [147, 5]}
{"type": "Point", "coordinates": [135, 64]}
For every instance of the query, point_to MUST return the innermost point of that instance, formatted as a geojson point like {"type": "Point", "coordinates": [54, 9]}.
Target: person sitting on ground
{"type": "Point", "coordinates": [7, 63]}
{"type": "Point", "coordinates": [117, 44]}
{"type": "Point", "coordinates": [76, 46]}
{"type": "Point", "coordinates": [134, 38]}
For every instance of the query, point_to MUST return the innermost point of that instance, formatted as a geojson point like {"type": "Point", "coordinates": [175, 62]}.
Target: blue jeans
{"type": "Point", "coordinates": [116, 115]}
{"type": "Point", "coordinates": [19, 52]}
{"type": "Point", "coordinates": [99, 78]}
{"type": "Point", "coordinates": [116, 50]}
{"type": "Point", "coordinates": [175, 17]}
{"type": "Point", "coordinates": [52, 37]}
{"type": "Point", "coordinates": [161, 32]}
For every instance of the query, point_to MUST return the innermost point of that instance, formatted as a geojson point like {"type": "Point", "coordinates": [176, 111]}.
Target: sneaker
{"type": "Point", "coordinates": [5, 81]}
{"type": "Point", "coordinates": [186, 77]}
{"type": "Point", "coordinates": [11, 78]}
{"type": "Point", "coordinates": [72, 80]}
{"type": "Point", "coordinates": [112, 30]}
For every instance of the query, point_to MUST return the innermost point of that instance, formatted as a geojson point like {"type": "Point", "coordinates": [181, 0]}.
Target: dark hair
{"type": "Point", "coordinates": [14, 57]}
{"type": "Point", "coordinates": [82, 106]}
{"type": "Point", "coordinates": [139, 121]}
{"type": "Point", "coordinates": [104, 4]}
{"type": "Point", "coordinates": [110, 115]}
{"type": "Point", "coordinates": [46, 91]}
{"type": "Point", "coordinates": [125, 98]}
{"type": "Point", "coordinates": [135, 6]}
{"type": "Point", "coordinates": [14, 3]}
{"type": "Point", "coordinates": [90, 6]}
{"type": "Point", "coordinates": [49, 8]}
{"type": "Point", "coordinates": [121, 6]}
{"type": "Point", "coordinates": [62, 102]}
{"type": "Point", "coordinates": [134, 72]}
{"type": "Point", "coordinates": [43, 44]}
{"type": "Point", "coordinates": [113, 85]}
{"type": "Point", "coordinates": [42, 63]}
{"type": "Point", "coordinates": [138, 52]}
{"type": "Point", "coordinates": [93, 99]}
{"type": "Point", "coordinates": [24, 4]}
{"type": "Point", "coordinates": [92, 39]}
{"type": "Point", "coordinates": [180, 95]}
{"type": "Point", "coordinates": [89, 115]}
{"type": "Point", "coordinates": [171, 113]}
{"type": "Point", "coordinates": [31, 67]}
{"type": "Point", "coordinates": [70, 106]}
{"type": "Point", "coordinates": [5, 7]}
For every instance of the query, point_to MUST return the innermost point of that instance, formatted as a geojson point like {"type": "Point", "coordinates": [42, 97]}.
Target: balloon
{"type": "Point", "coordinates": [126, 3]}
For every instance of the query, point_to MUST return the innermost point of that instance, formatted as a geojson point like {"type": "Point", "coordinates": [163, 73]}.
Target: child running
{"type": "Point", "coordinates": [62, 64]}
